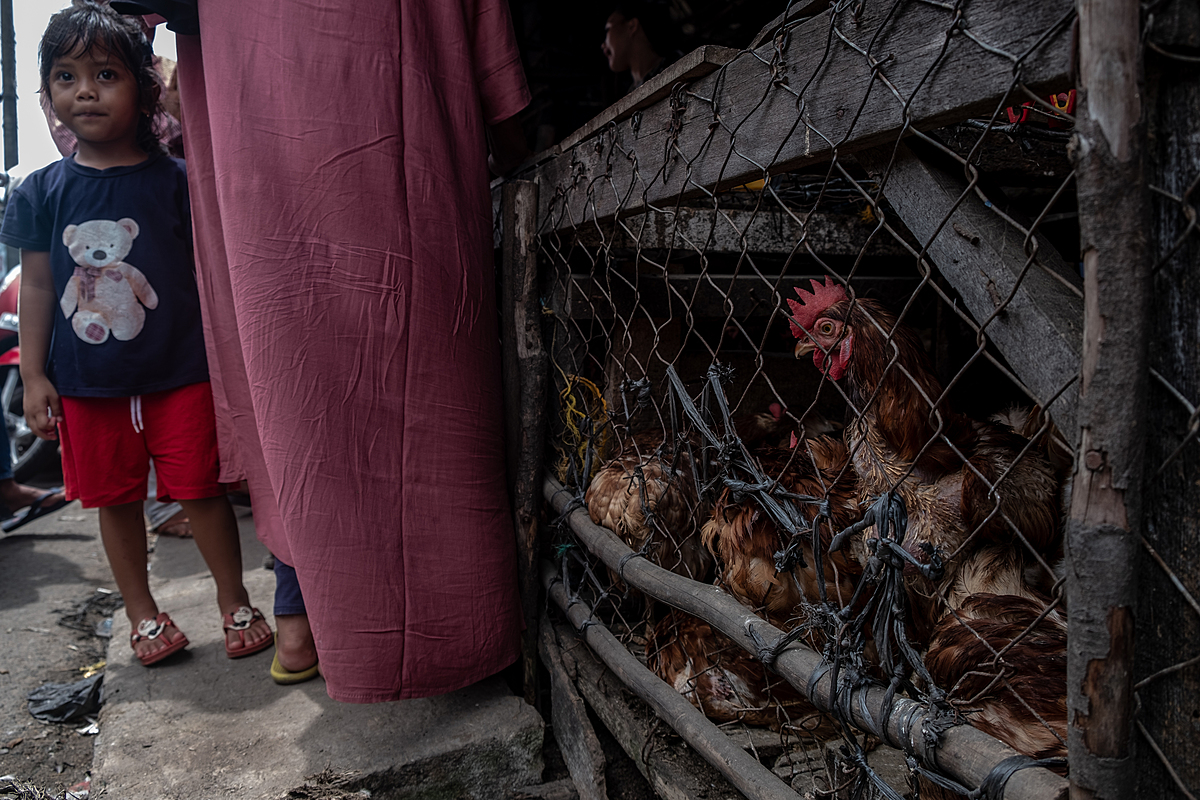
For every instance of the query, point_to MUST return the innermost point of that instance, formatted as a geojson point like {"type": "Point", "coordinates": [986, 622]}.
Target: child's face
{"type": "Point", "coordinates": [96, 97]}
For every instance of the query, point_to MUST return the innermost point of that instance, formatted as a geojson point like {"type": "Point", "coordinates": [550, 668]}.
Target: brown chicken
{"type": "Point", "coordinates": [647, 496]}
{"type": "Point", "coordinates": [774, 428]}
{"type": "Point", "coordinates": [1033, 424]}
{"type": "Point", "coordinates": [745, 539]}
{"type": "Point", "coordinates": [724, 681]}
{"type": "Point", "coordinates": [766, 428]}
{"type": "Point", "coordinates": [941, 464]}
{"type": "Point", "coordinates": [1018, 696]}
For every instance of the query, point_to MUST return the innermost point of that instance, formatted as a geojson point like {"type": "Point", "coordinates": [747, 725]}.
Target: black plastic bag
{"type": "Point", "coordinates": [66, 702]}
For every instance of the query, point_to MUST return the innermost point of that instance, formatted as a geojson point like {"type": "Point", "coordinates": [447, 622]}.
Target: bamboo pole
{"type": "Point", "coordinates": [1105, 517]}
{"type": "Point", "coordinates": [963, 753]}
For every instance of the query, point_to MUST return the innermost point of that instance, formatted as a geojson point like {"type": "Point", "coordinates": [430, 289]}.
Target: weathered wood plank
{"type": "Point", "coordinates": [562, 789]}
{"type": "Point", "coordinates": [1015, 159]}
{"type": "Point", "coordinates": [572, 728]}
{"type": "Point", "coordinates": [704, 230]}
{"type": "Point", "coordinates": [743, 119]}
{"type": "Point", "coordinates": [696, 64]}
{"type": "Point", "coordinates": [741, 769]}
{"type": "Point", "coordinates": [964, 753]}
{"type": "Point", "coordinates": [1040, 332]}
{"type": "Point", "coordinates": [704, 296]}
{"type": "Point", "coordinates": [796, 11]}
{"type": "Point", "coordinates": [674, 771]}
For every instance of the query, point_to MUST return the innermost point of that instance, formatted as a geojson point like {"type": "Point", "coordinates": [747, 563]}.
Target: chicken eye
{"type": "Point", "coordinates": [825, 328]}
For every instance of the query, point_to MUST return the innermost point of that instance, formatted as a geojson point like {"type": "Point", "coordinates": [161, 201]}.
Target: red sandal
{"type": "Point", "coordinates": [240, 621]}
{"type": "Point", "coordinates": [149, 629]}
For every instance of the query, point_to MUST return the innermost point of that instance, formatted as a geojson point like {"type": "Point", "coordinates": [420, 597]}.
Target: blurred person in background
{"type": "Point", "coordinates": [641, 39]}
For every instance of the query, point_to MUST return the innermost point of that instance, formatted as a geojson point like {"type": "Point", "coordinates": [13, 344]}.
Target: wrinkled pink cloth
{"type": "Point", "coordinates": [337, 164]}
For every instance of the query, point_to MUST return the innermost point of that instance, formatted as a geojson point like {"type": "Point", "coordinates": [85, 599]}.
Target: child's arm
{"type": "Point", "coordinates": [38, 303]}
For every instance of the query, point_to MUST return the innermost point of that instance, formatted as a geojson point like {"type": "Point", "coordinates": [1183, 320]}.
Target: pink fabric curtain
{"type": "Point", "coordinates": [339, 192]}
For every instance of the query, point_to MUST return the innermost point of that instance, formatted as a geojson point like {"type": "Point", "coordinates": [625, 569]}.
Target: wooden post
{"type": "Point", "coordinates": [525, 376]}
{"type": "Point", "coordinates": [1105, 517]}
{"type": "Point", "coordinates": [1168, 623]}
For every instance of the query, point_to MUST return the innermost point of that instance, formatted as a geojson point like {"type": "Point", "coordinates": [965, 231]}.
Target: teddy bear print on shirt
{"type": "Point", "coordinates": [103, 293]}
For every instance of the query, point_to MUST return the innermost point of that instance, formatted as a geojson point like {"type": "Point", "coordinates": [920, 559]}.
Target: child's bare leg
{"type": "Point", "coordinates": [123, 532]}
{"type": "Point", "coordinates": [215, 530]}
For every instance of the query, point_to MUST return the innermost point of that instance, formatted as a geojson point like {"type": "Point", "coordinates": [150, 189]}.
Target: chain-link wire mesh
{"type": "Point", "coordinates": [814, 324]}
{"type": "Point", "coordinates": [1169, 623]}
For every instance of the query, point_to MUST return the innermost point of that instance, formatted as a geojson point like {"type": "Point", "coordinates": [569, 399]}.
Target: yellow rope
{"type": "Point", "coordinates": [581, 400]}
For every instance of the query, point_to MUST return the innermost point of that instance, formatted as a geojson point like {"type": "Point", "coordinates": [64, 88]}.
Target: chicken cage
{"type": "Point", "coordinates": [836, 365]}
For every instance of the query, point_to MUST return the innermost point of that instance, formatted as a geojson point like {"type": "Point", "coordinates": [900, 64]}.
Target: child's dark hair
{"type": "Point", "coordinates": [87, 25]}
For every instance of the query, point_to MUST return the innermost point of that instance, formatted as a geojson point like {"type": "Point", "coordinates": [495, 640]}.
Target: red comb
{"type": "Point", "coordinates": [805, 313]}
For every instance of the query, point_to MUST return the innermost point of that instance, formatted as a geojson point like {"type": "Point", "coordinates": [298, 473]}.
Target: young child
{"type": "Point", "coordinates": [113, 357]}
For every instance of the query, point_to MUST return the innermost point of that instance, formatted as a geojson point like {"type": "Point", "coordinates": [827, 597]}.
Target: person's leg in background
{"type": "Point", "coordinates": [295, 651]}
{"type": "Point", "coordinates": [17, 496]}
{"type": "Point", "coordinates": [167, 519]}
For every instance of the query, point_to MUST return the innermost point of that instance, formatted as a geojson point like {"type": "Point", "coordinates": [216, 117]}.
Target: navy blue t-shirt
{"type": "Point", "coordinates": [120, 243]}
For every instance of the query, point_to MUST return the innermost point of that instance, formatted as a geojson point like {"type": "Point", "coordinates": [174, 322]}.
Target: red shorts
{"type": "Point", "coordinates": [107, 444]}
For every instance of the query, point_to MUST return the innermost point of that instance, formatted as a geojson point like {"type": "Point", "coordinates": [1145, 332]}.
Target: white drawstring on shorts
{"type": "Point", "coordinates": [135, 413]}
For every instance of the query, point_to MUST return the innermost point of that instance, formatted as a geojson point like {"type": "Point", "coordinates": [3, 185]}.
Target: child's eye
{"type": "Point", "coordinates": [63, 76]}
{"type": "Point", "coordinates": [107, 75]}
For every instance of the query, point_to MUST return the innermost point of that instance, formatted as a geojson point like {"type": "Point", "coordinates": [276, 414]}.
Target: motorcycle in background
{"type": "Point", "coordinates": [30, 455]}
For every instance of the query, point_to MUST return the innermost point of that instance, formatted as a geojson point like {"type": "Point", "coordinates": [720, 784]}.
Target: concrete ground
{"type": "Point", "coordinates": [201, 725]}
{"type": "Point", "coordinates": [50, 571]}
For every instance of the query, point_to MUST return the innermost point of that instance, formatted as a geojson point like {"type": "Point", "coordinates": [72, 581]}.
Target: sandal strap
{"type": "Point", "coordinates": [242, 619]}
{"type": "Point", "coordinates": [150, 628]}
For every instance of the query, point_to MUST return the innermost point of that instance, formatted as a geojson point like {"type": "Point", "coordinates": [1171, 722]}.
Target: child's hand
{"type": "Point", "coordinates": [43, 409]}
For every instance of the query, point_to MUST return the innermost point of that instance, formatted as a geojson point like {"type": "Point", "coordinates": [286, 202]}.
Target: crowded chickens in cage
{"type": "Point", "coordinates": [745, 540]}
{"type": "Point", "coordinates": [905, 438]}
{"type": "Point", "coordinates": [1007, 658]}
{"type": "Point", "coordinates": [724, 681]}
{"type": "Point", "coordinates": [984, 506]}
{"type": "Point", "coordinates": [647, 496]}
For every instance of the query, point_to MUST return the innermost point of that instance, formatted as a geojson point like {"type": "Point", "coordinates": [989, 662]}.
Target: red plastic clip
{"type": "Point", "coordinates": [1063, 102]}
{"type": "Point", "coordinates": [1019, 116]}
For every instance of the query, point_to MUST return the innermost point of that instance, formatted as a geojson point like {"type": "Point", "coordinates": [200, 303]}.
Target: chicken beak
{"type": "Point", "coordinates": [804, 347]}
